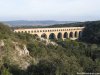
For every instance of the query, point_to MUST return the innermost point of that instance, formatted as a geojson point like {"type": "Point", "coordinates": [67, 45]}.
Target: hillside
{"type": "Point", "coordinates": [76, 24]}
{"type": "Point", "coordinates": [34, 23]}
{"type": "Point", "coordinates": [25, 54]}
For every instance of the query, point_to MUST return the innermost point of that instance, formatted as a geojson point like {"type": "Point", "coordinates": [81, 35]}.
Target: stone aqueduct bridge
{"type": "Point", "coordinates": [54, 33]}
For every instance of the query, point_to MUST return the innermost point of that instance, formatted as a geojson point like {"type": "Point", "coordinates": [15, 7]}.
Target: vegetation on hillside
{"type": "Point", "coordinates": [68, 58]}
{"type": "Point", "coordinates": [91, 33]}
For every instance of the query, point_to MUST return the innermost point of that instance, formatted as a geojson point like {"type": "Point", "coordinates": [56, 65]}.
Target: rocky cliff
{"type": "Point", "coordinates": [17, 54]}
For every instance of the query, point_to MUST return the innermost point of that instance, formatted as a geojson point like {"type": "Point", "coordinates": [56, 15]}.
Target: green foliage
{"type": "Point", "coordinates": [25, 37]}
{"type": "Point", "coordinates": [42, 68]}
{"type": "Point", "coordinates": [5, 31]}
{"type": "Point", "coordinates": [91, 33]}
{"type": "Point", "coordinates": [73, 56]}
{"type": "Point", "coordinates": [5, 71]}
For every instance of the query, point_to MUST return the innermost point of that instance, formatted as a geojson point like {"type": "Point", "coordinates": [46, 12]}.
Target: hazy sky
{"type": "Point", "coordinates": [68, 10]}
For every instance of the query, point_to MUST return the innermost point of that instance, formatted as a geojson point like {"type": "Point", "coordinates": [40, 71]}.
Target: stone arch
{"type": "Point", "coordinates": [52, 36]}
{"type": "Point", "coordinates": [76, 34]}
{"type": "Point", "coordinates": [65, 35]}
{"type": "Point", "coordinates": [35, 35]}
{"type": "Point", "coordinates": [44, 36]}
{"type": "Point", "coordinates": [25, 31]}
{"type": "Point", "coordinates": [22, 31]}
{"type": "Point", "coordinates": [80, 34]}
{"type": "Point", "coordinates": [59, 36]}
{"type": "Point", "coordinates": [71, 34]}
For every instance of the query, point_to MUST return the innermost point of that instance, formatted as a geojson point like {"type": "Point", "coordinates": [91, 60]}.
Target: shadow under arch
{"type": "Point", "coordinates": [44, 36]}
{"type": "Point", "coordinates": [59, 36]}
{"type": "Point", "coordinates": [52, 36]}
{"type": "Point", "coordinates": [71, 34]}
{"type": "Point", "coordinates": [65, 35]}
{"type": "Point", "coordinates": [80, 34]}
{"type": "Point", "coordinates": [76, 34]}
{"type": "Point", "coordinates": [35, 35]}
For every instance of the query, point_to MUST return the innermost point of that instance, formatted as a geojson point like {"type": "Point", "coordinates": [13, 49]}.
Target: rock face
{"type": "Point", "coordinates": [1, 43]}
{"type": "Point", "coordinates": [1, 51]}
{"type": "Point", "coordinates": [16, 54]}
{"type": "Point", "coordinates": [48, 42]}
{"type": "Point", "coordinates": [23, 51]}
{"type": "Point", "coordinates": [21, 56]}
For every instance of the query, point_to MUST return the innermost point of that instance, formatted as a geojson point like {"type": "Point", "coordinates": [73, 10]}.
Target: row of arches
{"type": "Point", "coordinates": [48, 30]}
{"type": "Point", "coordinates": [60, 35]}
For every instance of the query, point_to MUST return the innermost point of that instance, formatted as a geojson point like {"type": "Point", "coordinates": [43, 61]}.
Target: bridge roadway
{"type": "Point", "coordinates": [53, 33]}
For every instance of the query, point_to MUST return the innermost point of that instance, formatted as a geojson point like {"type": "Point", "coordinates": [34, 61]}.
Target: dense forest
{"type": "Point", "coordinates": [68, 57]}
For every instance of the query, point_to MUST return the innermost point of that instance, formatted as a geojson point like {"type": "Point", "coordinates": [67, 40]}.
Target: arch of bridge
{"type": "Point", "coordinates": [64, 32]}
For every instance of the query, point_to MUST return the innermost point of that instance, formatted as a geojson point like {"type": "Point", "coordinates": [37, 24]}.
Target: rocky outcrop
{"type": "Point", "coordinates": [22, 51]}
{"type": "Point", "coordinates": [47, 41]}
{"type": "Point", "coordinates": [1, 43]}
{"type": "Point", "coordinates": [21, 55]}
{"type": "Point", "coordinates": [16, 55]}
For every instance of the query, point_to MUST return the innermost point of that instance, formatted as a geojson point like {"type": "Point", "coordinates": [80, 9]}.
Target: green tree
{"type": "Point", "coordinates": [5, 72]}
{"type": "Point", "coordinates": [91, 33]}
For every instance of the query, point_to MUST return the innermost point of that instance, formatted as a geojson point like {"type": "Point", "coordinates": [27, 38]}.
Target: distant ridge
{"type": "Point", "coordinates": [35, 23]}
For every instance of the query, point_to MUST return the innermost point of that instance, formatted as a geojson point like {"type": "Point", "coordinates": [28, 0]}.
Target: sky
{"type": "Point", "coordinates": [61, 10]}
